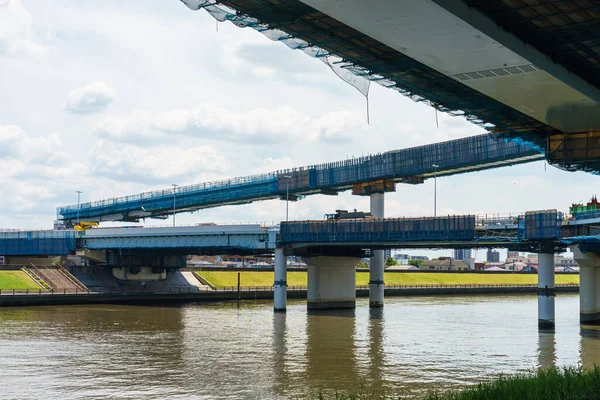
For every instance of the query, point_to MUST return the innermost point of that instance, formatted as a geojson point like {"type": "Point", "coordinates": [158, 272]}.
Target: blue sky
{"type": "Point", "coordinates": [111, 98]}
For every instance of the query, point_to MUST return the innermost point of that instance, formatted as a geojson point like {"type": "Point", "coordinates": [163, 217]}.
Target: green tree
{"type": "Point", "coordinates": [415, 262]}
{"type": "Point", "coordinates": [390, 261]}
{"type": "Point", "coordinates": [362, 264]}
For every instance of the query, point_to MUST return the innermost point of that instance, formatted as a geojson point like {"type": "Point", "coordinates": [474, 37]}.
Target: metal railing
{"type": "Point", "coordinates": [190, 289]}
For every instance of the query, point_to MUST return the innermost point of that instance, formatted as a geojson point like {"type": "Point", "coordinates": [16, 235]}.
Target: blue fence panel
{"type": "Point", "coordinates": [37, 243]}
{"type": "Point", "coordinates": [452, 228]}
{"type": "Point", "coordinates": [541, 225]}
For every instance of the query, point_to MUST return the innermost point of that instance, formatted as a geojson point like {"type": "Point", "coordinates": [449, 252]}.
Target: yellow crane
{"type": "Point", "coordinates": [83, 225]}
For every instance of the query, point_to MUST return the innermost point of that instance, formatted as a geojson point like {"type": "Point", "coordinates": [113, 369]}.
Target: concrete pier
{"type": "Point", "coordinates": [546, 293]}
{"type": "Point", "coordinates": [280, 284]}
{"type": "Point", "coordinates": [331, 282]}
{"type": "Point", "coordinates": [377, 262]}
{"type": "Point", "coordinates": [589, 279]}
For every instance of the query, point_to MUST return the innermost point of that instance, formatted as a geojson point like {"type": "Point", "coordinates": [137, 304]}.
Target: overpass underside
{"type": "Point", "coordinates": [524, 70]}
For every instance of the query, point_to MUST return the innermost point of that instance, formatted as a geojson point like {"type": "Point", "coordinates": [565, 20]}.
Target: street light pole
{"type": "Point", "coordinates": [287, 195]}
{"type": "Point", "coordinates": [78, 203]}
{"type": "Point", "coordinates": [435, 167]}
{"type": "Point", "coordinates": [174, 191]}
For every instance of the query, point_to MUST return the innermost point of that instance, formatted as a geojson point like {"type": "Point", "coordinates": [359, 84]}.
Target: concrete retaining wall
{"type": "Point", "coordinates": [209, 296]}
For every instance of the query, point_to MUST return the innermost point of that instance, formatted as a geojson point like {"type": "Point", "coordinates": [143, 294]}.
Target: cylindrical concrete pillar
{"type": "Point", "coordinates": [376, 268]}
{"type": "Point", "coordinates": [331, 282]}
{"type": "Point", "coordinates": [589, 278]}
{"type": "Point", "coordinates": [280, 284]}
{"type": "Point", "coordinates": [546, 292]}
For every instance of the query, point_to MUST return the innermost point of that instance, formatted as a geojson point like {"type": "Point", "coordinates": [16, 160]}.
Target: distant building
{"type": "Point", "coordinates": [447, 264]}
{"type": "Point", "coordinates": [402, 268]}
{"type": "Point", "coordinates": [401, 259]}
{"type": "Point", "coordinates": [512, 254]}
{"type": "Point", "coordinates": [462, 254]}
{"type": "Point", "coordinates": [387, 254]}
{"type": "Point", "coordinates": [493, 256]}
{"type": "Point", "coordinates": [424, 258]}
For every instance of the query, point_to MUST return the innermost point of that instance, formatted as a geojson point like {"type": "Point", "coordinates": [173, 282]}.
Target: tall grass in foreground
{"type": "Point", "coordinates": [549, 384]}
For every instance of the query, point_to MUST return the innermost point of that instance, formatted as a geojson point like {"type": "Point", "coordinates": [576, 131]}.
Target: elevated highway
{"type": "Point", "coordinates": [528, 70]}
{"type": "Point", "coordinates": [411, 165]}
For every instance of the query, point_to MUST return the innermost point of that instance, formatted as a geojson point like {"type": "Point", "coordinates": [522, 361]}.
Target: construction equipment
{"type": "Point", "coordinates": [84, 225]}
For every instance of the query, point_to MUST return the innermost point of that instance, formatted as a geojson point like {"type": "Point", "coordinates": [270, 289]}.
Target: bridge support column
{"type": "Point", "coordinates": [546, 294]}
{"type": "Point", "coordinates": [589, 282]}
{"type": "Point", "coordinates": [331, 282]}
{"type": "Point", "coordinates": [377, 262]}
{"type": "Point", "coordinates": [280, 285]}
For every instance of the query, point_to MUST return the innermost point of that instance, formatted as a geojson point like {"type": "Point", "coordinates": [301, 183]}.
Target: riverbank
{"type": "Point", "coordinates": [221, 279]}
{"type": "Point", "coordinates": [17, 279]}
{"type": "Point", "coordinates": [185, 295]}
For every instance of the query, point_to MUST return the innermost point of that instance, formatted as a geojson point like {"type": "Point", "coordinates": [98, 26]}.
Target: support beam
{"type": "Point", "coordinates": [546, 293]}
{"type": "Point", "coordinates": [280, 285]}
{"type": "Point", "coordinates": [589, 279]}
{"type": "Point", "coordinates": [377, 262]}
{"type": "Point", "coordinates": [331, 282]}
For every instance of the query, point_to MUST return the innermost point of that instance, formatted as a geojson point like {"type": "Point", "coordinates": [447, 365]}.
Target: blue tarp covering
{"type": "Point", "coordinates": [37, 243]}
{"type": "Point", "coordinates": [380, 230]}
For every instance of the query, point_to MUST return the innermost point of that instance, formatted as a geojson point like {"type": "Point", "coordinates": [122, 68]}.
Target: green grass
{"type": "Point", "coordinates": [264, 278]}
{"type": "Point", "coordinates": [16, 280]}
{"type": "Point", "coordinates": [550, 384]}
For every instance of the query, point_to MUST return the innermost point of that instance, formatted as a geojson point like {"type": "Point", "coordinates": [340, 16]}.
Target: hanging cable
{"type": "Point", "coordinates": [368, 118]}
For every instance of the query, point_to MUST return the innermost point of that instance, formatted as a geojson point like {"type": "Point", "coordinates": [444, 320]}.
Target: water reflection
{"type": "Point", "coordinates": [210, 351]}
{"type": "Point", "coordinates": [589, 347]}
{"type": "Point", "coordinates": [375, 343]}
{"type": "Point", "coordinates": [546, 349]}
{"type": "Point", "coordinates": [330, 349]}
{"type": "Point", "coordinates": [280, 354]}
{"type": "Point", "coordinates": [120, 346]}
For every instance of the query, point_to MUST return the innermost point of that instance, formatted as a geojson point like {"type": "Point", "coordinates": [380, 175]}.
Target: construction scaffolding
{"type": "Point", "coordinates": [370, 230]}
{"type": "Point", "coordinates": [33, 243]}
{"type": "Point", "coordinates": [411, 165]}
{"type": "Point", "coordinates": [540, 225]}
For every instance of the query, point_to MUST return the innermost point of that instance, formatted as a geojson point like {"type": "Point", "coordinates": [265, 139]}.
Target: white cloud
{"type": "Point", "coordinates": [260, 125]}
{"type": "Point", "coordinates": [10, 137]}
{"type": "Point", "coordinates": [155, 165]}
{"type": "Point", "coordinates": [16, 32]}
{"type": "Point", "coordinates": [91, 98]}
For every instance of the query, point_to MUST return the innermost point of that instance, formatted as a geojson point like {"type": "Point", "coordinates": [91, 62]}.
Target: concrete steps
{"type": "Point", "coordinates": [57, 278]}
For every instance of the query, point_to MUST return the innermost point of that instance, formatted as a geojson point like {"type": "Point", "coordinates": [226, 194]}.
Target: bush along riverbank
{"type": "Point", "coordinates": [549, 384]}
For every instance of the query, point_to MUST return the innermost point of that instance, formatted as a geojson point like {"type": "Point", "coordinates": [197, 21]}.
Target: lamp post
{"type": "Point", "coordinates": [174, 192]}
{"type": "Point", "coordinates": [78, 203]}
{"type": "Point", "coordinates": [435, 167]}
{"type": "Point", "coordinates": [287, 195]}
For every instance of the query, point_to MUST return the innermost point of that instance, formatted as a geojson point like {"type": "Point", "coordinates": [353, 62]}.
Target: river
{"type": "Point", "coordinates": [210, 351]}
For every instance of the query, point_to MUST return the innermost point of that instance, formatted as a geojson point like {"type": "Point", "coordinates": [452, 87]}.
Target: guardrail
{"type": "Point", "coordinates": [191, 289]}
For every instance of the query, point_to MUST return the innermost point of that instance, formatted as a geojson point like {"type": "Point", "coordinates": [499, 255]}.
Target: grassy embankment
{"type": "Point", "coordinates": [264, 278]}
{"type": "Point", "coordinates": [551, 384]}
{"type": "Point", "coordinates": [18, 280]}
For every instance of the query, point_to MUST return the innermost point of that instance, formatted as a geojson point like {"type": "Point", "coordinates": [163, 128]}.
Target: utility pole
{"type": "Point", "coordinates": [174, 192]}
{"type": "Point", "coordinates": [287, 195]}
{"type": "Point", "coordinates": [78, 203]}
{"type": "Point", "coordinates": [435, 167]}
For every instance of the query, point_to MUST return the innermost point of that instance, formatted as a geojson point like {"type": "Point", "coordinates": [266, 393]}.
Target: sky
{"type": "Point", "coordinates": [112, 98]}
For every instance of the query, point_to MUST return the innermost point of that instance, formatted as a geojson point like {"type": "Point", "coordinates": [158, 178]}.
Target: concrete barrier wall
{"type": "Point", "coordinates": [209, 296]}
